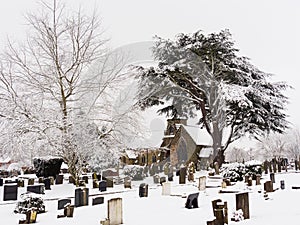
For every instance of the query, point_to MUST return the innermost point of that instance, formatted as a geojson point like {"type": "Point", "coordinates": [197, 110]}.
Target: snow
{"type": "Point", "coordinates": [131, 154]}
{"type": "Point", "coordinates": [281, 207]}
{"type": "Point", "coordinates": [200, 136]}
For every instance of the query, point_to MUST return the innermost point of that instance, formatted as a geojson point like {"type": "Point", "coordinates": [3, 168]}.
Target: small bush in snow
{"type": "Point", "coordinates": [29, 202]}
{"type": "Point", "coordinates": [237, 171]}
{"type": "Point", "coordinates": [135, 172]}
{"type": "Point", "coordinates": [238, 215]}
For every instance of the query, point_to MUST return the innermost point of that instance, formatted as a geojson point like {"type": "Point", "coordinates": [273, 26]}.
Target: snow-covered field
{"type": "Point", "coordinates": [281, 207]}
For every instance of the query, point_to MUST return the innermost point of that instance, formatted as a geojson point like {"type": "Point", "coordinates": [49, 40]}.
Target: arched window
{"type": "Point", "coordinates": [182, 151]}
{"type": "Point", "coordinates": [143, 159]}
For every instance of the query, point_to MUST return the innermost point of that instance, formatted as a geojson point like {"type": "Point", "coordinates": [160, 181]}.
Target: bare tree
{"type": "Point", "coordinates": [60, 86]}
{"type": "Point", "coordinates": [236, 154]}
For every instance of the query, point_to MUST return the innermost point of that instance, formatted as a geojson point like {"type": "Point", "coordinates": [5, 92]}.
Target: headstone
{"type": "Point", "coordinates": [115, 211]}
{"type": "Point", "coordinates": [246, 178]}
{"type": "Point", "coordinates": [31, 181]}
{"type": "Point", "coordinates": [37, 188]}
{"type": "Point", "coordinates": [72, 180]}
{"type": "Point", "coordinates": [202, 183]}
{"type": "Point", "coordinates": [81, 183]}
{"type": "Point", "coordinates": [10, 192]}
{"type": "Point", "coordinates": [166, 169]}
{"type": "Point", "coordinates": [102, 185]}
{"type": "Point", "coordinates": [59, 179]}
{"type": "Point", "coordinates": [127, 182]}
{"type": "Point", "coordinates": [62, 203]}
{"type": "Point", "coordinates": [69, 210]}
{"type": "Point", "coordinates": [268, 186]}
{"type": "Point", "coordinates": [249, 183]}
{"type": "Point", "coordinates": [223, 184]}
{"type": "Point", "coordinates": [279, 163]}
{"type": "Point", "coordinates": [272, 177]}
{"type": "Point", "coordinates": [95, 183]}
{"type": "Point", "coordinates": [192, 201]}
{"type": "Point", "coordinates": [220, 211]}
{"type": "Point", "coordinates": [81, 197]}
{"type": "Point", "coordinates": [156, 179]}
{"type": "Point", "coordinates": [166, 188]}
{"type": "Point", "coordinates": [170, 177]}
{"type": "Point", "coordinates": [109, 182]}
{"type": "Point", "coordinates": [143, 190]}
{"type": "Point", "coordinates": [182, 175]}
{"type": "Point", "coordinates": [41, 180]}
{"type": "Point", "coordinates": [242, 202]}
{"type": "Point", "coordinates": [21, 183]}
{"type": "Point", "coordinates": [52, 180]}
{"type": "Point", "coordinates": [86, 179]}
{"type": "Point", "coordinates": [1, 182]}
{"type": "Point", "coordinates": [274, 164]}
{"type": "Point", "coordinates": [97, 200]}
{"type": "Point", "coordinates": [258, 176]}
{"type": "Point", "coordinates": [47, 183]}
{"type": "Point", "coordinates": [162, 180]}
{"type": "Point", "coordinates": [282, 186]}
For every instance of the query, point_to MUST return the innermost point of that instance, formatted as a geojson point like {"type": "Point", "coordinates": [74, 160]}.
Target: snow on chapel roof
{"type": "Point", "coordinates": [200, 136]}
{"type": "Point", "coordinates": [131, 154]}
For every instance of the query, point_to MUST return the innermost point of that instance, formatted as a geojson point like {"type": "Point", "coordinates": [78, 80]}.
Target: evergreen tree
{"type": "Point", "coordinates": [198, 72]}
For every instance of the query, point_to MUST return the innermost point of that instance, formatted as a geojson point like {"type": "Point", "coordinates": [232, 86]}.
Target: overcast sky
{"type": "Point", "coordinates": [266, 31]}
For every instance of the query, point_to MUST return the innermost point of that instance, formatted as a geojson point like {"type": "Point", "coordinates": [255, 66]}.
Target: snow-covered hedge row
{"type": "Point", "coordinates": [237, 171]}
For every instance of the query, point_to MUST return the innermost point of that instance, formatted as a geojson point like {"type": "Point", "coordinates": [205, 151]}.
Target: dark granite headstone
{"type": "Point", "coordinates": [102, 185]}
{"type": "Point", "coordinates": [109, 182]}
{"type": "Point", "coordinates": [59, 179]}
{"type": "Point", "coordinates": [47, 183]}
{"type": "Point", "coordinates": [31, 181]}
{"type": "Point", "coordinates": [37, 188]}
{"type": "Point", "coordinates": [143, 190]}
{"type": "Point", "coordinates": [182, 175]}
{"type": "Point", "coordinates": [282, 186]}
{"type": "Point", "coordinates": [192, 201]}
{"type": "Point", "coordinates": [97, 200]}
{"type": "Point", "coordinates": [86, 179]}
{"type": "Point", "coordinates": [1, 182]}
{"type": "Point", "coordinates": [10, 192]}
{"type": "Point", "coordinates": [170, 177]}
{"type": "Point", "coordinates": [81, 197]}
{"type": "Point", "coordinates": [162, 180]}
{"type": "Point", "coordinates": [62, 203]}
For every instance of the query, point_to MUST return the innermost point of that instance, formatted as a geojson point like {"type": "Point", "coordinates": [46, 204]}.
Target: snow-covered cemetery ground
{"type": "Point", "coordinates": [276, 207]}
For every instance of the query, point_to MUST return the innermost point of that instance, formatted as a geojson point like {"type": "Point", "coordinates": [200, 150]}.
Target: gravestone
{"type": "Point", "coordinates": [1, 182]}
{"type": "Point", "coordinates": [41, 180]}
{"type": "Point", "coordinates": [59, 179]}
{"type": "Point", "coordinates": [31, 215]}
{"type": "Point", "coordinates": [109, 182]}
{"type": "Point", "coordinates": [102, 185]}
{"type": "Point", "coordinates": [258, 176]}
{"type": "Point", "coordinates": [170, 177]}
{"type": "Point", "coordinates": [86, 179]}
{"type": "Point", "coordinates": [182, 175]}
{"type": "Point", "coordinates": [166, 188]}
{"type": "Point", "coordinates": [242, 202]}
{"type": "Point", "coordinates": [69, 210]}
{"type": "Point", "coordinates": [268, 186]}
{"type": "Point", "coordinates": [156, 179]}
{"type": "Point", "coordinates": [192, 201]}
{"type": "Point", "coordinates": [81, 197]}
{"type": "Point", "coordinates": [272, 177]}
{"type": "Point", "coordinates": [97, 200]}
{"type": "Point", "coordinates": [47, 183]}
{"type": "Point", "coordinates": [31, 181]}
{"type": "Point", "coordinates": [62, 203]}
{"type": "Point", "coordinates": [72, 180]}
{"type": "Point", "coordinates": [37, 188]}
{"type": "Point", "coordinates": [246, 178]}
{"type": "Point", "coordinates": [52, 180]}
{"type": "Point", "coordinates": [10, 192]}
{"type": "Point", "coordinates": [81, 183]}
{"type": "Point", "coordinates": [249, 183]}
{"type": "Point", "coordinates": [162, 180]}
{"type": "Point", "coordinates": [166, 169]}
{"type": "Point", "coordinates": [21, 183]}
{"type": "Point", "coordinates": [115, 211]}
{"type": "Point", "coordinates": [220, 211]}
{"type": "Point", "coordinates": [95, 183]}
{"type": "Point", "coordinates": [143, 190]}
{"type": "Point", "coordinates": [282, 186]}
{"type": "Point", "coordinates": [127, 182]}
{"type": "Point", "coordinates": [202, 183]}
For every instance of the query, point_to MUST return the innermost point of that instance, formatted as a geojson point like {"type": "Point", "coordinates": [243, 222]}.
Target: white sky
{"type": "Point", "coordinates": [266, 31]}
